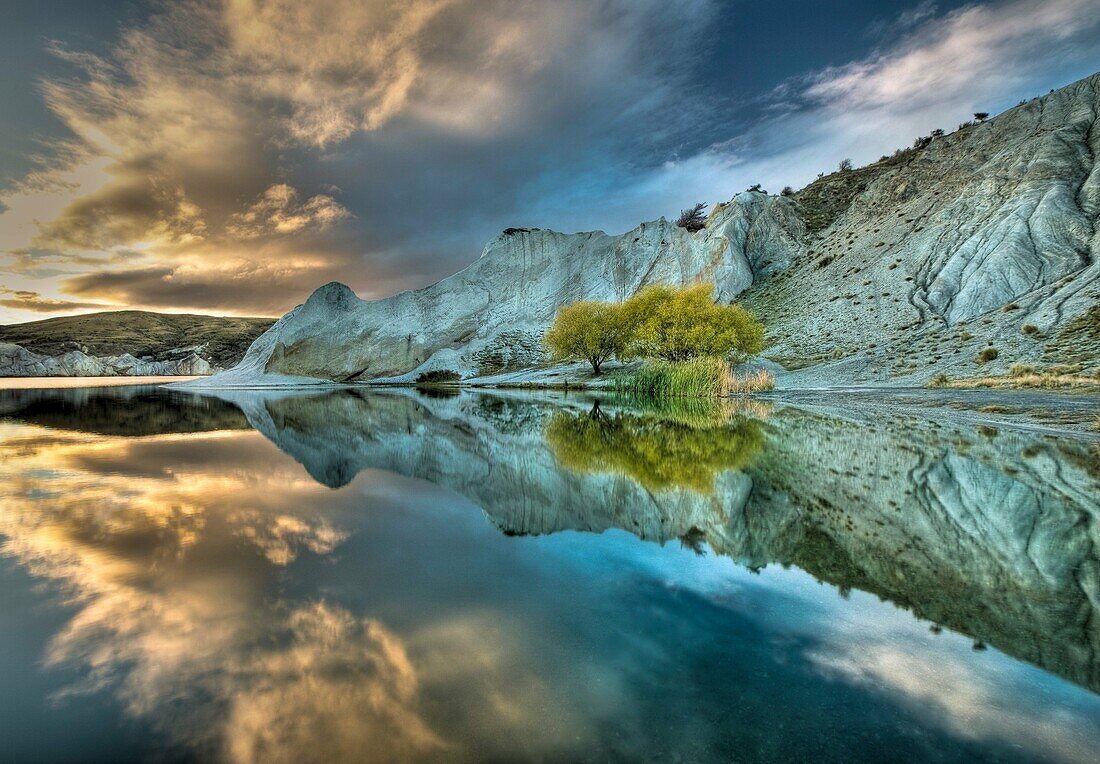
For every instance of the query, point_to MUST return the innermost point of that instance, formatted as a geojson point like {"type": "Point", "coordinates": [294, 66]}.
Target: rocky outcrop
{"type": "Point", "coordinates": [16, 361]}
{"type": "Point", "coordinates": [986, 237]}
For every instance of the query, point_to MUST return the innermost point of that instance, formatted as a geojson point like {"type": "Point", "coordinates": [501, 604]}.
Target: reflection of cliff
{"type": "Point", "coordinates": [126, 411]}
{"type": "Point", "coordinates": [487, 448]}
{"type": "Point", "coordinates": [995, 537]}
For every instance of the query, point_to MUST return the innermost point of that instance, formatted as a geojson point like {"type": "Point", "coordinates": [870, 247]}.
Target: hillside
{"type": "Point", "coordinates": [961, 256]}
{"type": "Point", "coordinates": [163, 336]}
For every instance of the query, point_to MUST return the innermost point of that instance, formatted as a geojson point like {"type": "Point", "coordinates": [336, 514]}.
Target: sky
{"type": "Point", "coordinates": [230, 156]}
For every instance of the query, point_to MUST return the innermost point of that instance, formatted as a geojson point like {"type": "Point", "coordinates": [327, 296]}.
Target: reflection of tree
{"type": "Point", "coordinates": [657, 450]}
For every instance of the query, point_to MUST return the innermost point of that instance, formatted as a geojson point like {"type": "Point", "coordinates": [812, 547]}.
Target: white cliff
{"type": "Point", "coordinates": [986, 237]}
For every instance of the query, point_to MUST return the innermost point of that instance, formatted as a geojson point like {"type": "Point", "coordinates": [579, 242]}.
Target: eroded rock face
{"type": "Point", "coordinates": [16, 361]}
{"type": "Point", "coordinates": [492, 315]}
{"type": "Point", "coordinates": [995, 536]}
{"type": "Point", "coordinates": [986, 237]}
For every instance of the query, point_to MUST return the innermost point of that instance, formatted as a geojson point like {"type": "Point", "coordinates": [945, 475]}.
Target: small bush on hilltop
{"type": "Point", "coordinates": [693, 219]}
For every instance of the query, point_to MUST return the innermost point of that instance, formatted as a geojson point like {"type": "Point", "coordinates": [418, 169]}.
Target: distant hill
{"type": "Point", "coordinates": [140, 333]}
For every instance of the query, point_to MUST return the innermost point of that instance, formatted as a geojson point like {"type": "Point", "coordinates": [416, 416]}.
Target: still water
{"type": "Point", "coordinates": [395, 576]}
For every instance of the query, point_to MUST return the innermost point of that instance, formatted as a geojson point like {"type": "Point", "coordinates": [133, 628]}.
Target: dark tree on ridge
{"type": "Point", "coordinates": [693, 219]}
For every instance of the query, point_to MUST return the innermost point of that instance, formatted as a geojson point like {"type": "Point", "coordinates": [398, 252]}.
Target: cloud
{"type": "Point", "coordinates": [277, 212]}
{"type": "Point", "coordinates": [22, 299]}
{"type": "Point", "coordinates": [434, 115]}
{"type": "Point", "coordinates": [903, 22]}
{"type": "Point", "coordinates": [990, 44]}
{"type": "Point", "coordinates": [248, 285]}
{"type": "Point", "coordinates": [356, 72]}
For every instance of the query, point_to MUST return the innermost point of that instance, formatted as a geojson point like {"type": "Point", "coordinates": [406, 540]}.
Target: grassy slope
{"type": "Point", "coordinates": [140, 333]}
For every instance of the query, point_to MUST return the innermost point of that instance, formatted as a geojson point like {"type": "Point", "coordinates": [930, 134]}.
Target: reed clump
{"type": "Point", "coordinates": [694, 378]}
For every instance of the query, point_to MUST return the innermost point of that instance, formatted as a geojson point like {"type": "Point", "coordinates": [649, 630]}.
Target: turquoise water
{"type": "Point", "coordinates": [369, 576]}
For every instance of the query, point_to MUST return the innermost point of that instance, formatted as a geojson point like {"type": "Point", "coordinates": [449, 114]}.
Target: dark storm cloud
{"type": "Point", "coordinates": [21, 299]}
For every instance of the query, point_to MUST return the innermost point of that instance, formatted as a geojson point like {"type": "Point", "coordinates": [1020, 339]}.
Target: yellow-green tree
{"type": "Point", "coordinates": [680, 323]}
{"type": "Point", "coordinates": [592, 331]}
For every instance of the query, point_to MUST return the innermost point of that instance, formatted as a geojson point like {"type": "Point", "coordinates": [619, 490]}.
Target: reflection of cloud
{"type": "Point", "coordinates": [175, 616]}
{"type": "Point", "coordinates": [950, 692]}
{"type": "Point", "coordinates": [340, 687]}
{"type": "Point", "coordinates": [280, 537]}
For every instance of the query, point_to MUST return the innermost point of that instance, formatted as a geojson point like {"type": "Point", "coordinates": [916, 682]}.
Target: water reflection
{"type": "Point", "coordinates": [685, 447]}
{"type": "Point", "coordinates": [248, 609]}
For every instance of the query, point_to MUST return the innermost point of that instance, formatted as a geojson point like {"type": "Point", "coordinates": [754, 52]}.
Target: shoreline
{"type": "Point", "coordinates": [57, 383]}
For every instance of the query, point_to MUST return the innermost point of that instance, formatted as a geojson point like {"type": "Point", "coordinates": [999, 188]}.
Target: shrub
{"type": "Point", "coordinates": [940, 380]}
{"type": "Point", "coordinates": [845, 165]}
{"type": "Point", "coordinates": [1021, 370]}
{"type": "Point", "coordinates": [438, 376]}
{"type": "Point", "coordinates": [680, 323]}
{"type": "Point", "coordinates": [591, 331]}
{"type": "Point", "coordinates": [981, 116]}
{"type": "Point", "coordinates": [988, 354]}
{"type": "Point", "coordinates": [787, 191]}
{"type": "Point", "coordinates": [1030, 329]}
{"type": "Point", "coordinates": [693, 219]}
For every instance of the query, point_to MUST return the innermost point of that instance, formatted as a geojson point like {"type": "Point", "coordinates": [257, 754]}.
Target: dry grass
{"type": "Point", "coordinates": [753, 382]}
{"type": "Point", "coordinates": [1030, 380]}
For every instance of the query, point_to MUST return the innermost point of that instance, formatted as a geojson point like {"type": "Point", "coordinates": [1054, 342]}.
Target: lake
{"type": "Point", "coordinates": [394, 575]}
